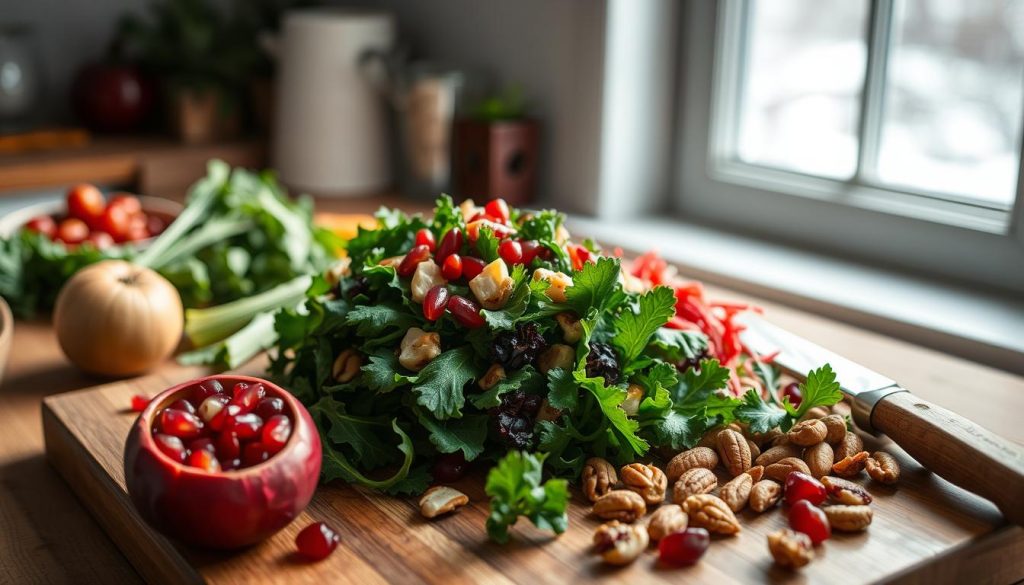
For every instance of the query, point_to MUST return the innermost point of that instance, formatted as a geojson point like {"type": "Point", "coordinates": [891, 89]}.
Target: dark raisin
{"type": "Point", "coordinates": [515, 349]}
{"type": "Point", "coordinates": [693, 362]}
{"type": "Point", "coordinates": [357, 286]}
{"type": "Point", "coordinates": [602, 361]}
{"type": "Point", "coordinates": [514, 419]}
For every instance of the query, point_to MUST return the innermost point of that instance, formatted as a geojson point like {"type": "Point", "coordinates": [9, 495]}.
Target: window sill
{"type": "Point", "coordinates": [979, 326]}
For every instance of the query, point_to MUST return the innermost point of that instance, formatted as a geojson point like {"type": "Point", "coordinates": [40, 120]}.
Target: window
{"type": "Point", "coordinates": [884, 129]}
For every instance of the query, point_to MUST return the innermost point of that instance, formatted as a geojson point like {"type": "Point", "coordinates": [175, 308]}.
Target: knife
{"type": "Point", "coordinates": [946, 443]}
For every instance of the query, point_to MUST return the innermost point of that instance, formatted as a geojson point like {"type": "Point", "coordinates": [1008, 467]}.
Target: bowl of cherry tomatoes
{"type": "Point", "coordinates": [85, 216]}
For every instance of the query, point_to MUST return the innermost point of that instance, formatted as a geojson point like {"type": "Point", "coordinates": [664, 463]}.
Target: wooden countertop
{"type": "Point", "coordinates": [50, 538]}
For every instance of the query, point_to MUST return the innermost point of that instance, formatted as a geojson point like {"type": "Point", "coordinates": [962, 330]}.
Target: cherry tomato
{"type": "Point", "coordinates": [85, 202]}
{"type": "Point", "coordinates": [42, 224]}
{"type": "Point", "coordinates": [425, 237]}
{"type": "Point", "coordinates": [498, 209]}
{"type": "Point", "coordinates": [116, 221]}
{"type": "Point", "coordinates": [72, 231]}
{"type": "Point", "coordinates": [129, 202]}
{"type": "Point", "coordinates": [100, 240]}
{"type": "Point", "coordinates": [137, 229]}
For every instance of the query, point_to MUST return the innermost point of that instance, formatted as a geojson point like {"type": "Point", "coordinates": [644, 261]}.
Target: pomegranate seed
{"type": "Point", "coordinates": [254, 454]}
{"type": "Point", "coordinates": [807, 518]}
{"type": "Point", "coordinates": [269, 406]}
{"type": "Point", "coordinates": [139, 403]}
{"type": "Point", "coordinates": [317, 541]}
{"type": "Point", "coordinates": [247, 426]}
{"type": "Point", "coordinates": [511, 252]}
{"type": "Point", "coordinates": [211, 406]}
{"type": "Point", "coordinates": [451, 243]}
{"type": "Point", "coordinates": [181, 424]}
{"type": "Point", "coordinates": [238, 388]}
{"type": "Point", "coordinates": [228, 446]}
{"type": "Point", "coordinates": [171, 446]}
{"type": "Point", "coordinates": [225, 418]}
{"type": "Point", "coordinates": [450, 467]}
{"type": "Point", "coordinates": [684, 548]}
{"type": "Point", "coordinates": [183, 405]}
{"type": "Point", "coordinates": [532, 249]}
{"type": "Point", "coordinates": [202, 444]}
{"type": "Point", "coordinates": [800, 486]}
{"type": "Point", "coordinates": [498, 209]}
{"type": "Point", "coordinates": [472, 267]}
{"type": "Point", "coordinates": [451, 268]}
{"type": "Point", "coordinates": [792, 391]}
{"type": "Point", "coordinates": [230, 464]}
{"type": "Point", "coordinates": [425, 237]}
{"type": "Point", "coordinates": [412, 260]}
{"type": "Point", "coordinates": [435, 302]}
{"type": "Point", "coordinates": [204, 460]}
{"type": "Point", "coordinates": [249, 397]}
{"type": "Point", "coordinates": [465, 312]}
{"type": "Point", "coordinates": [207, 388]}
{"type": "Point", "coordinates": [276, 432]}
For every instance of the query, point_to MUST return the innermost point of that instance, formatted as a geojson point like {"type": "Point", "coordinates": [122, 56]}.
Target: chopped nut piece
{"type": "Point", "coordinates": [620, 544]}
{"type": "Point", "coordinates": [756, 472]}
{"type": "Point", "coordinates": [622, 505]}
{"type": "Point", "coordinates": [790, 549]}
{"type": "Point", "coordinates": [493, 286]}
{"type": "Point", "coordinates": [571, 327]}
{"type": "Point", "coordinates": [666, 520]}
{"type": "Point", "coordinates": [426, 277]}
{"type": "Point", "coordinates": [346, 366]}
{"type": "Point", "coordinates": [697, 457]}
{"type": "Point", "coordinates": [736, 492]}
{"type": "Point", "coordinates": [836, 428]}
{"type": "Point", "coordinates": [851, 465]}
{"type": "Point", "coordinates": [733, 451]}
{"type": "Point", "coordinates": [557, 356]}
{"type": "Point", "coordinates": [694, 481]}
{"type": "Point", "coordinates": [710, 512]}
{"type": "Point", "coordinates": [598, 478]}
{"type": "Point", "coordinates": [808, 433]}
{"type": "Point", "coordinates": [776, 454]}
{"type": "Point", "coordinates": [848, 518]}
{"type": "Point", "coordinates": [764, 495]}
{"type": "Point", "coordinates": [845, 491]}
{"type": "Point", "coordinates": [392, 261]}
{"type": "Point", "coordinates": [441, 500]}
{"type": "Point", "coordinates": [646, 480]}
{"type": "Point", "coordinates": [548, 412]}
{"type": "Point", "coordinates": [883, 467]}
{"type": "Point", "coordinates": [419, 347]}
{"type": "Point", "coordinates": [781, 469]}
{"type": "Point", "coordinates": [819, 459]}
{"type": "Point", "coordinates": [558, 282]}
{"type": "Point", "coordinates": [634, 394]}
{"type": "Point", "coordinates": [850, 444]}
{"type": "Point", "coordinates": [492, 376]}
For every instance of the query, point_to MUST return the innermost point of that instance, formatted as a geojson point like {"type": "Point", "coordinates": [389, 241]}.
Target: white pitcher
{"type": "Point", "coordinates": [330, 134]}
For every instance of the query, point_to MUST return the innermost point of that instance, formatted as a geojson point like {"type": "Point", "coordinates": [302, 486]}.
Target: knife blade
{"type": "Point", "coordinates": [798, 356]}
{"type": "Point", "coordinates": [950, 445]}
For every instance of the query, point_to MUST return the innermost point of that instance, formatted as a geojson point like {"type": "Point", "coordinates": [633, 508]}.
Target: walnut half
{"type": "Point", "coordinates": [622, 505]}
{"type": "Point", "coordinates": [598, 478]}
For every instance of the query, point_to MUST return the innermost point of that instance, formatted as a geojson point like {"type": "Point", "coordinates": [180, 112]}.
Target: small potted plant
{"type": "Point", "coordinates": [202, 57]}
{"type": "Point", "coordinates": [497, 150]}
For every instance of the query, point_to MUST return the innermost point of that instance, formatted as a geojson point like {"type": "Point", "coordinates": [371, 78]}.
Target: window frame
{"type": "Point", "coordinates": [857, 218]}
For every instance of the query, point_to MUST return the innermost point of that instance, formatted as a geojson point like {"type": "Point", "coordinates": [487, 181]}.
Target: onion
{"type": "Point", "coordinates": [116, 318]}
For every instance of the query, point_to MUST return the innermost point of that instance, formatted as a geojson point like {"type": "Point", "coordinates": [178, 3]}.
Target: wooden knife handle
{"type": "Point", "coordinates": [957, 449]}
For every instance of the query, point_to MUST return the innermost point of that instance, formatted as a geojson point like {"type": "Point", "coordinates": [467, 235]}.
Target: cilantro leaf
{"type": "Point", "coordinates": [760, 415]}
{"type": "Point", "coordinates": [593, 286]}
{"type": "Point", "coordinates": [676, 346]}
{"type": "Point", "coordinates": [697, 384]}
{"type": "Point", "coordinates": [515, 488]}
{"type": "Point", "coordinates": [487, 245]}
{"type": "Point", "coordinates": [467, 434]}
{"type": "Point", "coordinates": [677, 430]}
{"type": "Point", "coordinates": [563, 391]}
{"type": "Point", "coordinates": [634, 328]}
{"type": "Point", "coordinates": [439, 385]}
{"type": "Point", "coordinates": [819, 389]}
{"type": "Point", "coordinates": [608, 399]}
{"type": "Point", "coordinates": [371, 321]}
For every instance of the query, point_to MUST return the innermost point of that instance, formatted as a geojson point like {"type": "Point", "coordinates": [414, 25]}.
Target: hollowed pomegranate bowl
{"type": "Point", "coordinates": [220, 492]}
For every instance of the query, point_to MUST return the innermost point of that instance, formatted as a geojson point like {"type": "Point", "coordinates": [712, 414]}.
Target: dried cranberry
{"type": "Point", "coordinates": [515, 349]}
{"type": "Point", "coordinates": [451, 268]}
{"type": "Point", "coordinates": [466, 312]}
{"type": "Point", "coordinates": [513, 419]}
{"type": "Point", "coordinates": [602, 362]}
{"type": "Point", "coordinates": [807, 518]}
{"type": "Point", "coordinates": [139, 402]}
{"type": "Point", "coordinates": [472, 267]}
{"type": "Point", "coordinates": [317, 541]}
{"type": "Point", "coordinates": [435, 302]}
{"type": "Point", "coordinates": [408, 265]}
{"type": "Point", "coordinates": [792, 391]}
{"type": "Point", "coordinates": [684, 548]}
{"type": "Point", "coordinates": [451, 243]}
{"type": "Point", "coordinates": [450, 467]}
{"type": "Point", "coordinates": [800, 486]}
{"type": "Point", "coordinates": [425, 237]}
{"type": "Point", "coordinates": [498, 209]}
{"type": "Point", "coordinates": [511, 252]}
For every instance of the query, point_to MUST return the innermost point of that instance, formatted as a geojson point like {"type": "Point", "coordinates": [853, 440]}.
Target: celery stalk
{"type": "Point", "coordinates": [206, 326]}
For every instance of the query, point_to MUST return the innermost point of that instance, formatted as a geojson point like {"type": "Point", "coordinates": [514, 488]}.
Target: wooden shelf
{"type": "Point", "coordinates": [154, 165]}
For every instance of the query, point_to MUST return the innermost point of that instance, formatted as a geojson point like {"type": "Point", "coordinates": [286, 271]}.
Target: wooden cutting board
{"type": "Point", "coordinates": [925, 529]}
